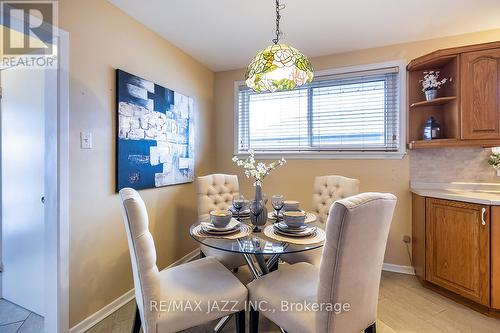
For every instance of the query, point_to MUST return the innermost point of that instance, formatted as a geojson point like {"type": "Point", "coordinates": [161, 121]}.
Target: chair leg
{"type": "Point", "coordinates": [240, 321]}
{"type": "Point", "coordinates": [274, 267]}
{"type": "Point", "coordinates": [371, 329]}
{"type": "Point", "coordinates": [137, 321]}
{"type": "Point", "coordinates": [254, 320]}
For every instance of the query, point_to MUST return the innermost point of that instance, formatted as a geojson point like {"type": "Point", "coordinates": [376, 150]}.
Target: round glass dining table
{"type": "Point", "coordinates": [256, 247]}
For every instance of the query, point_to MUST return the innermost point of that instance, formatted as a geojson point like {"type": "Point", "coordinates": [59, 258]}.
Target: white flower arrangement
{"type": "Point", "coordinates": [431, 81]}
{"type": "Point", "coordinates": [257, 171]}
{"type": "Point", "coordinates": [494, 159]}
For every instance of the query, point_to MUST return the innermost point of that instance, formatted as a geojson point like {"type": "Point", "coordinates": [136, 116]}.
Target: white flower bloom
{"type": "Point", "coordinates": [257, 171]}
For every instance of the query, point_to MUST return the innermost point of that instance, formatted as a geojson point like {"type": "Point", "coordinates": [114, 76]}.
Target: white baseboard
{"type": "Point", "coordinates": [98, 316]}
{"type": "Point", "coordinates": [398, 269]}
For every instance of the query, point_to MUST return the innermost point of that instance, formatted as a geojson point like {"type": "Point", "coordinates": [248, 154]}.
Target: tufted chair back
{"type": "Point", "coordinates": [143, 256]}
{"type": "Point", "coordinates": [215, 192]}
{"type": "Point", "coordinates": [328, 189]}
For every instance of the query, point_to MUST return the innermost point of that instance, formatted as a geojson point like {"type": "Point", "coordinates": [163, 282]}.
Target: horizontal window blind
{"type": "Point", "coordinates": [345, 112]}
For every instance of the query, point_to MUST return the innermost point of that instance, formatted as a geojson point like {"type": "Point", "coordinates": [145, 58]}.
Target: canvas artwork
{"type": "Point", "coordinates": [155, 144]}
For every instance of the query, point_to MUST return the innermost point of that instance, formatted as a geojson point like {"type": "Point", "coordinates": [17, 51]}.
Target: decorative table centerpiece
{"type": "Point", "coordinates": [258, 171]}
{"type": "Point", "coordinates": [431, 83]}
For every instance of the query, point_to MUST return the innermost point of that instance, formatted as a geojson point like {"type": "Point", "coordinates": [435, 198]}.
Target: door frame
{"type": "Point", "coordinates": [56, 208]}
{"type": "Point", "coordinates": [57, 235]}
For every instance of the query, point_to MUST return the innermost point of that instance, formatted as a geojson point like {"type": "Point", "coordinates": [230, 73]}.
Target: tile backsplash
{"type": "Point", "coordinates": [452, 165]}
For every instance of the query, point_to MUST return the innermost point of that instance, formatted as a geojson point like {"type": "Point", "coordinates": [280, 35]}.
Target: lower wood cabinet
{"type": "Point", "coordinates": [456, 246]}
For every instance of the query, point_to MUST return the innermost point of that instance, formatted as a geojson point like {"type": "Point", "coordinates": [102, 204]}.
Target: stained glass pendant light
{"type": "Point", "coordinates": [279, 66]}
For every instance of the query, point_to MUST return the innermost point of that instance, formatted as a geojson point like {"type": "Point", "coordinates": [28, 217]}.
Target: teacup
{"type": "Point", "coordinates": [220, 218]}
{"type": "Point", "coordinates": [291, 205]}
{"type": "Point", "coordinates": [294, 219]}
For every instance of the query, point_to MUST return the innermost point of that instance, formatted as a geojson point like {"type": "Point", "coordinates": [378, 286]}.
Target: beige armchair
{"type": "Point", "coordinates": [348, 278]}
{"type": "Point", "coordinates": [167, 299]}
{"type": "Point", "coordinates": [216, 192]}
{"type": "Point", "coordinates": [327, 190]}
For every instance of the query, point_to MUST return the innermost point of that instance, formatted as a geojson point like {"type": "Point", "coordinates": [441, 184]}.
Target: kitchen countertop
{"type": "Point", "coordinates": [479, 193]}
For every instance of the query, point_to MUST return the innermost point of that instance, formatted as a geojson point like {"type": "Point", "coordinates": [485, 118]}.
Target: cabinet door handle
{"type": "Point", "coordinates": [483, 212]}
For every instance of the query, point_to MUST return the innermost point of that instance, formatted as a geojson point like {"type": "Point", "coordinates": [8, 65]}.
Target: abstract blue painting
{"type": "Point", "coordinates": [155, 134]}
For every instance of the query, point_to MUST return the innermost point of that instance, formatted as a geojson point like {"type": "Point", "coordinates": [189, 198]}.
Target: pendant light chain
{"type": "Point", "coordinates": [278, 17]}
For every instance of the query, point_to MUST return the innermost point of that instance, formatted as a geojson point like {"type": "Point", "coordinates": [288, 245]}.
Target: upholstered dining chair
{"type": "Point", "coordinates": [167, 300]}
{"type": "Point", "coordinates": [326, 190]}
{"type": "Point", "coordinates": [216, 192]}
{"type": "Point", "coordinates": [348, 277]}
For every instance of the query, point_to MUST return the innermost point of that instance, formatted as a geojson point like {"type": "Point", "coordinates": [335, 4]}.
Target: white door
{"type": "Point", "coordinates": [23, 106]}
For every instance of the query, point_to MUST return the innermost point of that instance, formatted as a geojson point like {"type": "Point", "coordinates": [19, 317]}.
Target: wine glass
{"type": "Point", "coordinates": [277, 202]}
{"type": "Point", "coordinates": [238, 202]}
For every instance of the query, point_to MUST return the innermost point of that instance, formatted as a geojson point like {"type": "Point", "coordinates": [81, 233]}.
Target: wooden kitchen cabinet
{"type": "Point", "coordinates": [458, 248]}
{"type": "Point", "coordinates": [468, 107]}
{"type": "Point", "coordinates": [480, 94]}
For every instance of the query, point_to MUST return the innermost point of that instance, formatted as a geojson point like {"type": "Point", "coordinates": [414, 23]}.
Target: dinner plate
{"type": "Point", "coordinates": [284, 227]}
{"type": "Point", "coordinates": [233, 224]}
{"type": "Point", "coordinates": [308, 231]}
{"type": "Point", "coordinates": [220, 233]}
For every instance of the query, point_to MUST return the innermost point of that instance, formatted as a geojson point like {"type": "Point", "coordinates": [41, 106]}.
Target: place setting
{"type": "Point", "coordinates": [222, 224]}
{"type": "Point", "coordinates": [291, 224]}
{"type": "Point", "coordinates": [282, 207]}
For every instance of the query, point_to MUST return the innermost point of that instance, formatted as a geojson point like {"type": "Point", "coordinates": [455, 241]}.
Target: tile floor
{"type": "Point", "coordinates": [15, 319]}
{"type": "Point", "coordinates": [404, 306]}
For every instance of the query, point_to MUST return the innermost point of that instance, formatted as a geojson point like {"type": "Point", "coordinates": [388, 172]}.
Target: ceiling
{"type": "Point", "coordinates": [226, 34]}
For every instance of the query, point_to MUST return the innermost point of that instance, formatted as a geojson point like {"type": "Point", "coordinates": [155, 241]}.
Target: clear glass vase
{"type": "Point", "coordinates": [258, 210]}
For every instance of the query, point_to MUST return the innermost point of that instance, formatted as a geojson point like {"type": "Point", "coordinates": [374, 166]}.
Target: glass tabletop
{"type": "Point", "coordinates": [255, 243]}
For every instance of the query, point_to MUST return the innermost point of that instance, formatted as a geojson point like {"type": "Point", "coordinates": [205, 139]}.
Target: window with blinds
{"type": "Point", "coordinates": [358, 112]}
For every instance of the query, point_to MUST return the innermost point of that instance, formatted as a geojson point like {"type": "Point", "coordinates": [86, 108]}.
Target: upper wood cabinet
{"type": "Point", "coordinates": [480, 92]}
{"type": "Point", "coordinates": [468, 108]}
{"type": "Point", "coordinates": [458, 248]}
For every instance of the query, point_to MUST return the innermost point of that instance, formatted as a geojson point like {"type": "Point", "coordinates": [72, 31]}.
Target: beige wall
{"type": "Point", "coordinates": [103, 38]}
{"type": "Point", "coordinates": [295, 179]}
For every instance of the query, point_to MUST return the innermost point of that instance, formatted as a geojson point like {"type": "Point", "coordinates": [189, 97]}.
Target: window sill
{"type": "Point", "coordinates": [328, 155]}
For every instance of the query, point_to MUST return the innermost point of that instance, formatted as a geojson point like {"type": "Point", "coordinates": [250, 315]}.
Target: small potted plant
{"type": "Point", "coordinates": [431, 83]}
{"type": "Point", "coordinates": [494, 159]}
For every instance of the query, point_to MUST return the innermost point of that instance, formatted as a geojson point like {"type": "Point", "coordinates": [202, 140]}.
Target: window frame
{"type": "Point", "coordinates": [332, 153]}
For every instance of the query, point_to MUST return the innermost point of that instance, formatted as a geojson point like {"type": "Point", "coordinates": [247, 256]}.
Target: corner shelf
{"type": "Point", "coordinates": [445, 110]}
{"type": "Point", "coordinates": [435, 101]}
